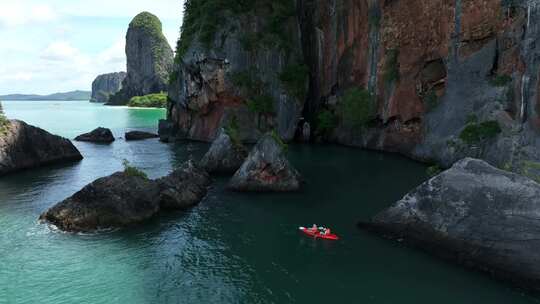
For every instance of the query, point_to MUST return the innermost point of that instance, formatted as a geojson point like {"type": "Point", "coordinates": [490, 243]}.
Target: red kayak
{"type": "Point", "coordinates": [318, 235]}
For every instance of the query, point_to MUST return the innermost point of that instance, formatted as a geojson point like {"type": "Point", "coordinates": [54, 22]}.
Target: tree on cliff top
{"type": "Point", "coordinates": [3, 120]}
{"type": "Point", "coordinates": [149, 22]}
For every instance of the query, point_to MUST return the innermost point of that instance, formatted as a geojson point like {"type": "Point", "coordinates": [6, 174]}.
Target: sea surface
{"type": "Point", "coordinates": [232, 248]}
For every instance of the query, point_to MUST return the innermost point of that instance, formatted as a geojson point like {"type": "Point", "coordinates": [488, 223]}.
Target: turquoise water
{"type": "Point", "coordinates": [232, 248]}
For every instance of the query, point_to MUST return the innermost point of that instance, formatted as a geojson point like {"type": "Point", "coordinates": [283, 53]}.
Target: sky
{"type": "Point", "coordinates": [51, 46]}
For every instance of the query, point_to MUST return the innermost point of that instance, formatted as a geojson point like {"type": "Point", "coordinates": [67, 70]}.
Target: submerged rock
{"type": "Point", "coordinates": [99, 135]}
{"type": "Point", "coordinates": [475, 215]}
{"type": "Point", "coordinates": [224, 155]}
{"type": "Point", "coordinates": [139, 135]}
{"type": "Point", "coordinates": [125, 198]}
{"type": "Point", "coordinates": [266, 169]}
{"type": "Point", "coordinates": [23, 146]}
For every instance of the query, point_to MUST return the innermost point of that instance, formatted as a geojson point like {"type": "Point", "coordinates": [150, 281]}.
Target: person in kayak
{"type": "Point", "coordinates": [327, 231]}
{"type": "Point", "coordinates": [314, 228]}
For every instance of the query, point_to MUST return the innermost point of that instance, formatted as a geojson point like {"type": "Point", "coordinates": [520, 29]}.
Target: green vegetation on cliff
{"type": "Point", "coordinates": [152, 26]}
{"type": "Point", "coordinates": [203, 19]}
{"type": "Point", "coordinates": [279, 141]}
{"type": "Point", "coordinates": [358, 107]}
{"type": "Point", "coordinates": [391, 67]}
{"type": "Point", "coordinates": [148, 22]}
{"type": "Point", "coordinates": [232, 130]}
{"type": "Point", "coordinates": [476, 132]}
{"type": "Point", "coordinates": [294, 78]}
{"type": "Point", "coordinates": [133, 171]}
{"type": "Point", "coordinates": [261, 104]}
{"type": "Point", "coordinates": [433, 171]}
{"type": "Point", "coordinates": [258, 99]}
{"type": "Point", "coordinates": [158, 100]}
{"type": "Point", "coordinates": [273, 29]}
{"type": "Point", "coordinates": [3, 120]}
{"type": "Point", "coordinates": [326, 122]}
{"type": "Point", "coordinates": [500, 80]}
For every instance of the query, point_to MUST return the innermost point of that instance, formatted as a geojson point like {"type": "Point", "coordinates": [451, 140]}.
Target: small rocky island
{"type": "Point", "coordinates": [126, 198]}
{"type": "Point", "coordinates": [139, 135]}
{"type": "Point", "coordinates": [23, 146]}
{"type": "Point", "coordinates": [267, 169]}
{"type": "Point", "coordinates": [99, 135]}
{"type": "Point", "coordinates": [226, 155]}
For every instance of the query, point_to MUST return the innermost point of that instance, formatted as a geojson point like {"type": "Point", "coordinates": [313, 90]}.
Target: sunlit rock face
{"type": "Point", "coordinates": [149, 59]}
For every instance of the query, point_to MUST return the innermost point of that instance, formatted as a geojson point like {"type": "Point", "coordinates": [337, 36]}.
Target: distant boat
{"type": "Point", "coordinates": [318, 234]}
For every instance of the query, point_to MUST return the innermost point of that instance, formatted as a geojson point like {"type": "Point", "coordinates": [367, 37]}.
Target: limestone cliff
{"type": "Point", "coordinates": [447, 79]}
{"type": "Point", "coordinates": [149, 59]}
{"type": "Point", "coordinates": [106, 85]}
{"type": "Point", "coordinates": [246, 65]}
{"type": "Point", "coordinates": [435, 80]}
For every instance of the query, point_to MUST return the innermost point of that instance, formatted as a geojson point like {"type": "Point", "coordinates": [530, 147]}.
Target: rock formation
{"type": "Point", "coordinates": [139, 135]}
{"type": "Point", "coordinates": [104, 86]}
{"type": "Point", "coordinates": [431, 79]}
{"type": "Point", "coordinates": [224, 156]}
{"type": "Point", "coordinates": [183, 188]}
{"type": "Point", "coordinates": [475, 215]}
{"type": "Point", "coordinates": [165, 130]}
{"type": "Point", "coordinates": [249, 67]}
{"type": "Point", "coordinates": [266, 169]}
{"type": "Point", "coordinates": [23, 147]}
{"type": "Point", "coordinates": [99, 135]}
{"type": "Point", "coordinates": [149, 59]}
{"type": "Point", "coordinates": [124, 199]}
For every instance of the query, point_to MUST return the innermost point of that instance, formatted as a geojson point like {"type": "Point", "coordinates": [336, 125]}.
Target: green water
{"type": "Point", "coordinates": [232, 248]}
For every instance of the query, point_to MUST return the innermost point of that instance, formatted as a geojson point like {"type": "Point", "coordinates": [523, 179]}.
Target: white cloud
{"type": "Point", "coordinates": [60, 51]}
{"type": "Point", "coordinates": [21, 76]}
{"type": "Point", "coordinates": [73, 68]}
{"type": "Point", "coordinates": [42, 13]}
{"type": "Point", "coordinates": [165, 9]}
{"type": "Point", "coordinates": [114, 54]}
{"type": "Point", "coordinates": [58, 45]}
{"type": "Point", "coordinates": [23, 12]}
